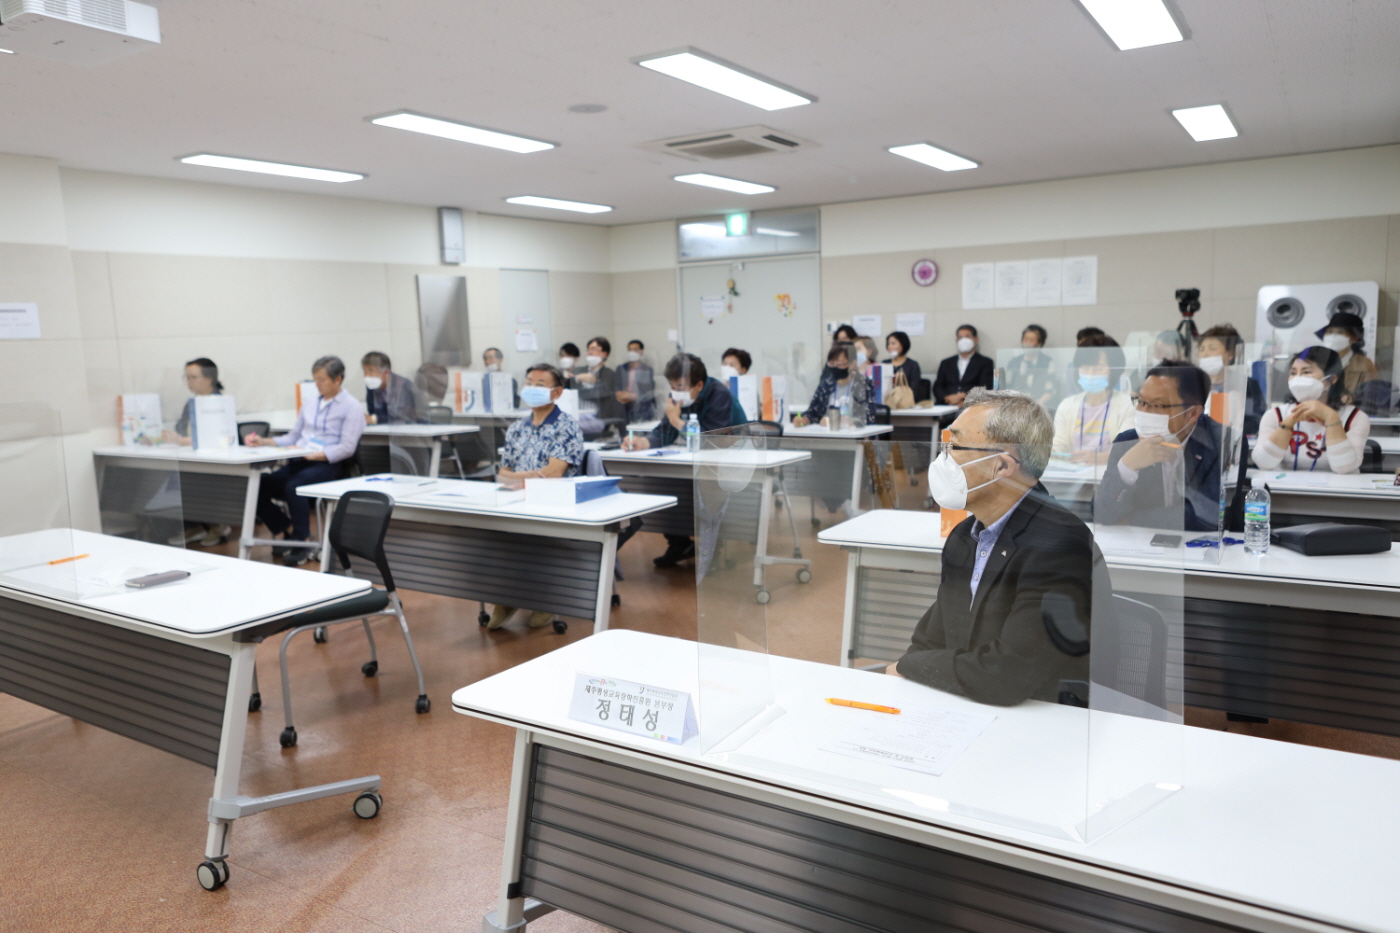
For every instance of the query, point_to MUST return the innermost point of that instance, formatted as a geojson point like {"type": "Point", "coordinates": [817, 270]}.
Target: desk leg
{"type": "Point", "coordinates": [855, 480]}
{"type": "Point", "coordinates": [250, 514]}
{"type": "Point", "coordinates": [515, 910]}
{"type": "Point", "coordinates": [848, 620]}
{"type": "Point", "coordinates": [602, 609]}
{"type": "Point", "coordinates": [765, 512]}
{"type": "Point", "coordinates": [435, 459]}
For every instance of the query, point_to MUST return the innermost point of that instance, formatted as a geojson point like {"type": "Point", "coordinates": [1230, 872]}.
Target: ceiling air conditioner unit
{"type": "Point", "coordinates": [729, 144]}
{"type": "Point", "coordinates": [81, 32]}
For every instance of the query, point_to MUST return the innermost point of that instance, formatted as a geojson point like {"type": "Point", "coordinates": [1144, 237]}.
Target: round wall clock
{"type": "Point", "coordinates": [925, 272]}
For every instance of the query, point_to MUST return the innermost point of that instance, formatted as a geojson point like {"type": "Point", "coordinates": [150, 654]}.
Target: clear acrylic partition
{"type": "Point", "coordinates": [1046, 375]}
{"type": "Point", "coordinates": [1074, 755]}
{"type": "Point", "coordinates": [140, 492]}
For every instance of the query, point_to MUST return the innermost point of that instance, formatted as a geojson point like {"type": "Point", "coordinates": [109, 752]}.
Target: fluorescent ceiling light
{"type": "Point", "coordinates": [1206, 123]}
{"type": "Point", "coordinates": [770, 232]}
{"type": "Point", "coordinates": [582, 207]}
{"type": "Point", "coordinates": [725, 184]}
{"type": "Point", "coordinates": [932, 155]}
{"type": "Point", "coordinates": [1134, 24]}
{"type": "Point", "coordinates": [718, 231]}
{"type": "Point", "coordinates": [8, 51]}
{"type": "Point", "coordinates": [270, 168]}
{"type": "Point", "coordinates": [714, 74]}
{"type": "Point", "coordinates": [416, 123]}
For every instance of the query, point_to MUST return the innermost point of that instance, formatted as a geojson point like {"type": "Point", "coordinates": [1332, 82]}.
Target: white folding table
{"type": "Point", "coordinates": [819, 481]}
{"type": "Point", "coordinates": [777, 834]}
{"type": "Point", "coordinates": [170, 666]}
{"type": "Point", "coordinates": [466, 539]}
{"type": "Point", "coordinates": [407, 436]}
{"type": "Point", "coordinates": [1323, 496]}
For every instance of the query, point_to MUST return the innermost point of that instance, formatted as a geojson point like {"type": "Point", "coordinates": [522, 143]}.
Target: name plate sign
{"type": "Point", "coordinates": [653, 712]}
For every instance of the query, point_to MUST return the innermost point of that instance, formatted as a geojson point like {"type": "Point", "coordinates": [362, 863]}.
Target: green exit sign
{"type": "Point", "coordinates": [736, 224]}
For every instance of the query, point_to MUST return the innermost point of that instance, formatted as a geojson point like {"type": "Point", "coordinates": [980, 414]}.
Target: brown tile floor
{"type": "Point", "coordinates": [100, 833]}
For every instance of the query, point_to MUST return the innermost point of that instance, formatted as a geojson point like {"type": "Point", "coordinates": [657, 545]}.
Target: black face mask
{"type": "Point", "coordinates": [837, 373]}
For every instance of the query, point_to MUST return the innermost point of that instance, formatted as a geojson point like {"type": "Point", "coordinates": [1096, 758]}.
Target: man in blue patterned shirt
{"type": "Point", "coordinates": [546, 443]}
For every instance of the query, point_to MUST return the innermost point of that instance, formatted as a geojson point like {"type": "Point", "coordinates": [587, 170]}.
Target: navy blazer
{"type": "Point", "coordinates": [1144, 503]}
{"type": "Point", "coordinates": [980, 372]}
{"type": "Point", "coordinates": [1028, 626]}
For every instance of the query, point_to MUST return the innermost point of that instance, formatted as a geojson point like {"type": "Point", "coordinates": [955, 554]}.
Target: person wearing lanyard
{"type": "Point", "coordinates": [1087, 423]}
{"type": "Point", "coordinates": [1317, 428]}
{"type": "Point", "coordinates": [329, 431]}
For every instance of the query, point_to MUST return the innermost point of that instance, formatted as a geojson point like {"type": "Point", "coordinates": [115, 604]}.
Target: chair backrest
{"type": "Point", "coordinates": [593, 463]}
{"type": "Point", "coordinates": [882, 413]}
{"type": "Point", "coordinates": [439, 414]}
{"type": "Point", "coordinates": [260, 428]}
{"type": "Point", "coordinates": [923, 391]}
{"type": "Point", "coordinates": [1372, 458]}
{"type": "Point", "coordinates": [358, 527]}
{"type": "Point", "coordinates": [764, 429]}
{"type": "Point", "coordinates": [1136, 664]}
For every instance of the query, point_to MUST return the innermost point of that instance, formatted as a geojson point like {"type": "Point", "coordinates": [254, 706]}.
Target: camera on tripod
{"type": "Point", "coordinates": [1188, 301]}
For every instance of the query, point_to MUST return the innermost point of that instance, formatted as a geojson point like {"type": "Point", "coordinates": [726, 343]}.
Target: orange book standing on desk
{"type": "Point", "coordinates": [948, 519]}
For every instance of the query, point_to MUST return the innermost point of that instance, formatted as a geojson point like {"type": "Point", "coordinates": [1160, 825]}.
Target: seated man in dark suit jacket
{"type": "Point", "coordinates": [1166, 473]}
{"type": "Point", "coordinates": [1021, 576]}
{"type": "Point", "coordinates": [960, 374]}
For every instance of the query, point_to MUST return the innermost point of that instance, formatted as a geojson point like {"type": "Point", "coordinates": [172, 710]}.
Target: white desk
{"type": "Point", "coordinates": [210, 482]}
{"type": "Point", "coordinates": [408, 436]}
{"type": "Point", "coordinates": [1310, 639]}
{"type": "Point", "coordinates": [672, 471]}
{"type": "Point", "coordinates": [629, 832]}
{"type": "Point", "coordinates": [1357, 497]}
{"type": "Point", "coordinates": [171, 666]}
{"type": "Point", "coordinates": [819, 478]}
{"type": "Point", "coordinates": [459, 538]}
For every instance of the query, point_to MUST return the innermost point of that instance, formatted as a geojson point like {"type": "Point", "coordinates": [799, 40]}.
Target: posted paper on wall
{"type": "Point", "coordinates": [526, 341]}
{"type": "Point", "coordinates": [1011, 284]}
{"type": "Point", "coordinates": [926, 739]}
{"type": "Point", "coordinates": [978, 286]}
{"type": "Point", "coordinates": [1079, 280]}
{"type": "Point", "coordinates": [1043, 283]}
{"type": "Point", "coordinates": [869, 325]}
{"type": "Point", "coordinates": [712, 307]}
{"type": "Point", "coordinates": [19, 321]}
{"type": "Point", "coordinates": [911, 324]}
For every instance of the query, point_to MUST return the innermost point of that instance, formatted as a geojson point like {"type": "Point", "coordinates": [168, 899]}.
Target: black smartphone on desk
{"type": "Point", "coordinates": [1166, 540]}
{"type": "Point", "coordinates": [156, 579]}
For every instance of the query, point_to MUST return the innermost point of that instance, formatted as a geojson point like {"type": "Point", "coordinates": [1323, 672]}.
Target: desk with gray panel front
{"type": "Point", "coordinates": [1308, 639]}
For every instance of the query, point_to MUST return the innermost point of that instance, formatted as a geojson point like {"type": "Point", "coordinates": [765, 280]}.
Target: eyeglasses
{"type": "Point", "coordinates": [1153, 406]}
{"type": "Point", "coordinates": [950, 446]}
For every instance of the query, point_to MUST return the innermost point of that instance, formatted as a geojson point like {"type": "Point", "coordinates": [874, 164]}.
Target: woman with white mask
{"type": "Point", "coordinates": [1317, 428]}
{"type": "Point", "coordinates": [1218, 349]}
{"type": "Point", "coordinates": [1087, 422]}
{"type": "Point", "coordinates": [1345, 335]}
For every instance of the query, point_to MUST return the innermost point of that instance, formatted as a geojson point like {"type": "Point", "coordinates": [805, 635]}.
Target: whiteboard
{"type": "Point", "coordinates": [776, 316]}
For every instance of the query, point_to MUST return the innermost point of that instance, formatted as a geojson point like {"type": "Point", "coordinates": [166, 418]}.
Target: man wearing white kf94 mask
{"type": "Point", "coordinates": [958, 375]}
{"type": "Point", "coordinates": [1165, 473]}
{"type": "Point", "coordinates": [1317, 428]}
{"type": "Point", "coordinates": [1021, 577]}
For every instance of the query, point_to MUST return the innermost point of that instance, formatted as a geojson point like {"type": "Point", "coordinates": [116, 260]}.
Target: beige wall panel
{"type": "Point", "coordinates": [644, 308]}
{"type": "Point", "coordinates": [103, 371]}
{"type": "Point", "coordinates": [43, 275]}
{"type": "Point", "coordinates": [581, 308]}
{"type": "Point", "coordinates": [51, 372]}
{"type": "Point", "coordinates": [1247, 258]}
{"type": "Point", "coordinates": [307, 297]}
{"type": "Point", "coordinates": [167, 296]}
{"type": "Point", "coordinates": [32, 209]}
{"type": "Point", "coordinates": [1148, 267]}
{"type": "Point", "coordinates": [82, 480]}
{"type": "Point", "coordinates": [92, 281]}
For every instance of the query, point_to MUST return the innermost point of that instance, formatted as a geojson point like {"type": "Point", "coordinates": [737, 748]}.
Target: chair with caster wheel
{"type": "Point", "coordinates": [357, 528]}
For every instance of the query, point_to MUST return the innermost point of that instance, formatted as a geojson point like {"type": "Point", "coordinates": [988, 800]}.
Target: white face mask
{"type": "Point", "coordinates": [1212, 364]}
{"type": "Point", "coordinates": [493, 367]}
{"type": "Point", "coordinates": [1305, 388]}
{"type": "Point", "coordinates": [861, 358]}
{"type": "Point", "coordinates": [728, 372]}
{"type": "Point", "coordinates": [1337, 343]}
{"type": "Point", "coordinates": [373, 382]}
{"type": "Point", "coordinates": [633, 356]}
{"type": "Point", "coordinates": [681, 397]}
{"type": "Point", "coordinates": [966, 345]}
{"type": "Point", "coordinates": [566, 362]}
{"type": "Point", "coordinates": [1152, 424]}
{"type": "Point", "coordinates": [948, 483]}
{"type": "Point", "coordinates": [594, 360]}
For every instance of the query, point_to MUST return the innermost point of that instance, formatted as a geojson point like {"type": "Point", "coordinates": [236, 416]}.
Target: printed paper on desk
{"type": "Point", "coordinates": [926, 739]}
{"type": "Point", "coordinates": [651, 712]}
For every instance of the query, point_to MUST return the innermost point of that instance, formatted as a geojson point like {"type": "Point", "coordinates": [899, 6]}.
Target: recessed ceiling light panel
{"type": "Point", "coordinates": [1206, 123]}
{"type": "Point", "coordinates": [582, 207]}
{"type": "Point", "coordinates": [932, 155]}
{"type": "Point", "coordinates": [1134, 24]}
{"type": "Point", "coordinates": [432, 126]}
{"type": "Point", "coordinates": [716, 74]}
{"type": "Point", "coordinates": [270, 168]}
{"type": "Point", "coordinates": [725, 184]}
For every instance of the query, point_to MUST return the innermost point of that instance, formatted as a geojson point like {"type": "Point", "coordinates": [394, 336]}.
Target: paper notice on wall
{"type": "Point", "coordinates": [978, 286]}
{"type": "Point", "coordinates": [868, 325]}
{"type": "Point", "coordinates": [1011, 284]}
{"type": "Point", "coordinates": [1043, 283]}
{"type": "Point", "coordinates": [19, 321]}
{"type": "Point", "coordinates": [526, 342]}
{"type": "Point", "coordinates": [911, 324]}
{"type": "Point", "coordinates": [1079, 282]}
{"type": "Point", "coordinates": [712, 307]}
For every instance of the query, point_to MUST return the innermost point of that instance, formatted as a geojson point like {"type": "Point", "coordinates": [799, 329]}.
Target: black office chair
{"type": "Point", "coordinates": [260, 428]}
{"type": "Point", "coordinates": [881, 414]}
{"type": "Point", "coordinates": [358, 527]}
{"type": "Point", "coordinates": [923, 391]}
{"type": "Point", "coordinates": [1130, 658]}
{"type": "Point", "coordinates": [1372, 458]}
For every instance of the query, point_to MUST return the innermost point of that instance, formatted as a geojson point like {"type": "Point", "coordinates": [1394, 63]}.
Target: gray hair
{"type": "Point", "coordinates": [334, 368]}
{"type": "Point", "coordinates": [1017, 419]}
{"type": "Point", "coordinates": [376, 359]}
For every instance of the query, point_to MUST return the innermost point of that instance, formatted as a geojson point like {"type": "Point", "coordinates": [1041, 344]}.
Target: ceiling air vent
{"type": "Point", "coordinates": [729, 144]}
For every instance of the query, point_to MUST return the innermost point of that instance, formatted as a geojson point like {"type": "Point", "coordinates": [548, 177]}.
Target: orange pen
{"type": "Point", "coordinates": [870, 706]}
{"type": "Point", "coordinates": [1172, 446]}
{"type": "Point", "coordinates": [64, 560]}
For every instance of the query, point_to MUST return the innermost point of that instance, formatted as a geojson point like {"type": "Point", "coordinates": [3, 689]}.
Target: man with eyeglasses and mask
{"type": "Point", "coordinates": [1165, 473]}
{"type": "Point", "coordinates": [1020, 576]}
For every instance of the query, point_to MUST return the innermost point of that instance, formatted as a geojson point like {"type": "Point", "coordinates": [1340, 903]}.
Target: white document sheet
{"type": "Point", "coordinates": [1043, 288]}
{"type": "Point", "coordinates": [911, 324]}
{"type": "Point", "coordinates": [1011, 284]}
{"type": "Point", "coordinates": [526, 341]}
{"type": "Point", "coordinates": [1079, 281]}
{"type": "Point", "coordinates": [978, 284]}
{"type": "Point", "coordinates": [869, 325]}
{"type": "Point", "coordinates": [926, 739]}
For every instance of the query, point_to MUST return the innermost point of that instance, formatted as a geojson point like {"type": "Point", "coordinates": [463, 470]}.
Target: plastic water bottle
{"type": "Point", "coordinates": [1256, 521]}
{"type": "Point", "coordinates": [692, 434]}
{"type": "Point", "coordinates": [846, 412]}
